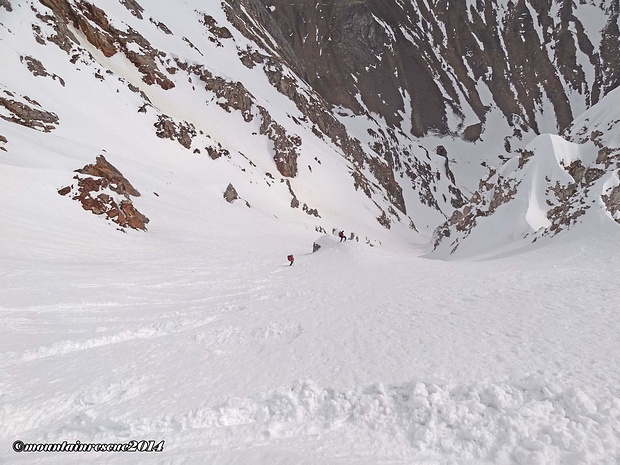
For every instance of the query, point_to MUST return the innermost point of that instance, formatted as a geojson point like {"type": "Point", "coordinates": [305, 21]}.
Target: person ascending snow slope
{"type": "Point", "coordinates": [291, 259]}
{"type": "Point", "coordinates": [342, 236]}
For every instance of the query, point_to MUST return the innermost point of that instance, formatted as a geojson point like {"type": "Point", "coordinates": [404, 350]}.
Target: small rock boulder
{"type": "Point", "coordinates": [230, 194]}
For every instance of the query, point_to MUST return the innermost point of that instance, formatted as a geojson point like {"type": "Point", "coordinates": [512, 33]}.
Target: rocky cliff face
{"type": "Point", "coordinates": [449, 64]}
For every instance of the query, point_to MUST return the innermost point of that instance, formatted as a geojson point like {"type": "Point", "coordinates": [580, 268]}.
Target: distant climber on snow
{"type": "Point", "coordinates": [342, 236]}
{"type": "Point", "coordinates": [291, 259]}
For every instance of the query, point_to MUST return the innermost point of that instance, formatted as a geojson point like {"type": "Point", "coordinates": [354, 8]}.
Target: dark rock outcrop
{"type": "Point", "coordinates": [134, 7]}
{"type": "Point", "coordinates": [28, 115]}
{"type": "Point", "coordinates": [230, 194]}
{"type": "Point", "coordinates": [294, 199]}
{"type": "Point", "coordinates": [115, 180]}
{"type": "Point", "coordinates": [310, 211]}
{"type": "Point", "coordinates": [37, 69]}
{"type": "Point", "coordinates": [384, 220]}
{"type": "Point", "coordinates": [612, 202]}
{"type": "Point", "coordinates": [6, 5]}
{"type": "Point", "coordinates": [161, 26]}
{"type": "Point", "coordinates": [284, 146]}
{"type": "Point", "coordinates": [494, 191]}
{"type": "Point", "coordinates": [215, 32]}
{"type": "Point", "coordinates": [92, 21]}
{"type": "Point", "coordinates": [216, 151]}
{"type": "Point", "coordinates": [92, 182]}
{"type": "Point", "coordinates": [182, 132]}
{"type": "Point", "coordinates": [233, 96]}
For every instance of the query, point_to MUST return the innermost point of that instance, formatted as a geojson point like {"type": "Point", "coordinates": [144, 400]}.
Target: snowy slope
{"type": "Point", "coordinates": [202, 335]}
{"type": "Point", "coordinates": [103, 105]}
{"type": "Point", "coordinates": [198, 333]}
{"type": "Point", "coordinates": [599, 123]}
{"type": "Point", "coordinates": [552, 186]}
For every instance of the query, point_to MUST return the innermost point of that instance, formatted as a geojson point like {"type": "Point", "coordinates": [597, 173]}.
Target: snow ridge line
{"type": "Point", "coordinates": [531, 421]}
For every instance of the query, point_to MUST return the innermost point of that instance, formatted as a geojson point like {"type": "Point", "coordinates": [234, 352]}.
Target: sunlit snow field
{"type": "Point", "coordinates": [200, 334]}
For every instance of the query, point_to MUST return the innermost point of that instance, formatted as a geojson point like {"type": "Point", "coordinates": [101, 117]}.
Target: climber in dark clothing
{"type": "Point", "coordinates": [291, 259]}
{"type": "Point", "coordinates": [342, 236]}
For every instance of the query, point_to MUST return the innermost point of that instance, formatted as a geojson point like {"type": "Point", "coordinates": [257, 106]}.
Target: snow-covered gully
{"type": "Point", "coordinates": [353, 355]}
{"type": "Point", "coordinates": [159, 161]}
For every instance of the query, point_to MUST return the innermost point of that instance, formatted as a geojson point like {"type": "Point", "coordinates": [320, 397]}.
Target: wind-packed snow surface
{"type": "Point", "coordinates": [198, 333]}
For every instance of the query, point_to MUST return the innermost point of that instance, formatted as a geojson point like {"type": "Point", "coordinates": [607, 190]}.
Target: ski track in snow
{"type": "Point", "coordinates": [353, 355]}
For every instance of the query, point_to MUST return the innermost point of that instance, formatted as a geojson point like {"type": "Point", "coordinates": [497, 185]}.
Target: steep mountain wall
{"type": "Point", "coordinates": [539, 62]}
